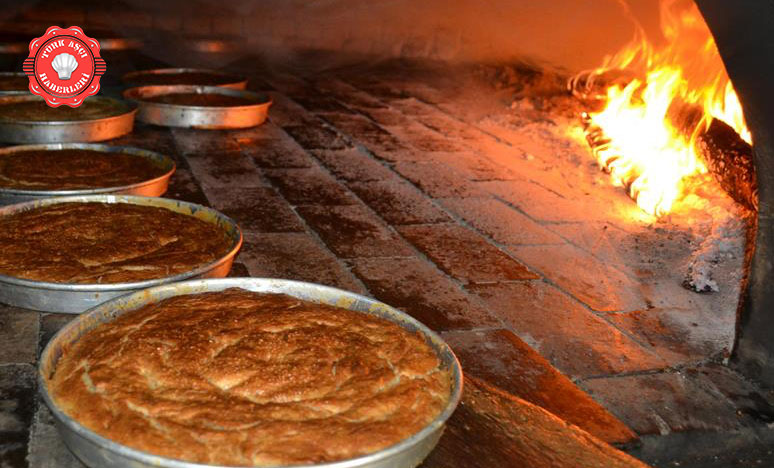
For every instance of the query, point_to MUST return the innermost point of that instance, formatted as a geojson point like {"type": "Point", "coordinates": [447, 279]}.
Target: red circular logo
{"type": "Point", "coordinates": [64, 66]}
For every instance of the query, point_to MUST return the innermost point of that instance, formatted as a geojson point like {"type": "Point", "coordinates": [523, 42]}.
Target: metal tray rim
{"type": "Point", "coordinates": [132, 109]}
{"type": "Point", "coordinates": [438, 344]}
{"type": "Point", "coordinates": [116, 198]}
{"type": "Point", "coordinates": [92, 191]}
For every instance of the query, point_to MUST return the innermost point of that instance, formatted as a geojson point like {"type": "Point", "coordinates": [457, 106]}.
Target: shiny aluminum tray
{"type": "Point", "coordinates": [150, 188]}
{"type": "Point", "coordinates": [97, 451]}
{"type": "Point", "coordinates": [203, 117]}
{"type": "Point", "coordinates": [76, 298]}
{"type": "Point", "coordinates": [229, 80]}
{"type": "Point", "coordinates": [119, 122]}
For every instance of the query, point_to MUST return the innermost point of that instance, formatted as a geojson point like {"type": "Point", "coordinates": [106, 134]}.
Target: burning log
{"type": "Point", "coordinates": [727, 156]}
{"type": "Point", "coordinates": [729, 159]}
{"type": "Point", "coordinates": [648, 109]}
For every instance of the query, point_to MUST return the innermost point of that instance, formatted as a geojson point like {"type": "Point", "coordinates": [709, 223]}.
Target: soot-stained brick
{"type": "Point", "coordinates": [296, 256]}
{"type": "Point", "coordinates": [257, 209]}
{"type": "Point", "coordinates": [397, 202]}
{"type": "Point", "coordinates": [502, 359]}
{"type": "Point", "coordinates": [316, 136]}
{"type": "Point", "coordinates": [464, 254]}
{"type": "Point", "coordinates": [310, 186]}
{"type": "Point", "coordinates": [18, 335]}
{"type": "Point", "coordinates": [352, 231]}
{"type": "Point", "coordinates": [353, 165]}
{"type": "Point", "coordinates": [571, 337]}
{"type": "Point", "coordinates": [416, 287]}
{"type": "Point", "coordinates": [17, 406]}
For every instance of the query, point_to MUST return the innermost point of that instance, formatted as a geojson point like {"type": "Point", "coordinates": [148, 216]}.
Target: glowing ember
{"type": "Point", "coordinates": [642, 148]}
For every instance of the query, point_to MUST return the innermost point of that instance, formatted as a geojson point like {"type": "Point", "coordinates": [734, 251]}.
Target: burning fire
{"type": "Point", "coordinates": [641, 136]}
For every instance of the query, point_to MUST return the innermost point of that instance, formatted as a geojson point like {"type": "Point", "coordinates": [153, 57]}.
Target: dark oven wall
{"type": "Point", "coordinates": [569, 34]}
{"type": "Point", "coordinates": [744, 37]}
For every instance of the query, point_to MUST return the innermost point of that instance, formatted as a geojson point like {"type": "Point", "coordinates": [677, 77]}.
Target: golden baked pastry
{"type": "Point", "coordinates": [240, 378]}
{"type": "Point", "coordinates": [105, 243]}
{"type": "Point", "coordinates": [201, 99]}
{"type": "Point", "coordinates": [71, 169]}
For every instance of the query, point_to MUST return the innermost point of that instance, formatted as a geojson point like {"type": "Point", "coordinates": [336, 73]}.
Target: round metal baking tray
{"type": "Point", "coordinates": [150, 188]}
{"type": "Point", "coordinates": [228, 80]}
{"type": "Point", "coordinates": [97, 451]}
{"type": "Point", "coordinates": [24, 90]}
{"type": "Point", "coordinates": [76, 298]}
{"type": "Point", "coordinates": [203, 117]}
{"type": "Point", "coordinates": [119, 123]}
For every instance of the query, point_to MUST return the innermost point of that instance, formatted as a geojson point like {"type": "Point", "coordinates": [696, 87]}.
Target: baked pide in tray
{"type": "Point", "coordinates": [28, 119]}
{"type": "Point", "coordinates": [184, 76]}
{"type": "Point", "coordinates": [29, 172]}
{"type": "Point", "coordinates": [250, 372]}
{"type": "Point", "coordinates": [204, 107]}
{"type": "Point", "coordinates": [105, 243]}
{"type": "Point", "coordinates": [67, 254]}
{"type": "Point", "coordinates": [35, 109]}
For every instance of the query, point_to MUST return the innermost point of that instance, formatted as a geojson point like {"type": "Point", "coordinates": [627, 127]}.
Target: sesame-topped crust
{"type": "Point", "coordinates": [249, 379]}
{"type": "Point", "coordinates": [91, 243]}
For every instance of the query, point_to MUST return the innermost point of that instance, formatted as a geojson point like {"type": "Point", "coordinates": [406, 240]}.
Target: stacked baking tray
{"type": "Point", "coordinates": [25, 118]}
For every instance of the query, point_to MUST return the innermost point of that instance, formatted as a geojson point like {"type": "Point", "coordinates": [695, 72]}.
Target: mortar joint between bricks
{"type": "Point", "coordinates": [488, 239]}
{"type": "Point", "coordinates": [645, 346]}
{"type": "Point", "coordinates": [673, 369]}
{"type": "Point", "coordinates": [475, 330]}
{"type": "Point", "coordinates": [441, 111]}
{"type": "Point", "coordinates": [419, 254]}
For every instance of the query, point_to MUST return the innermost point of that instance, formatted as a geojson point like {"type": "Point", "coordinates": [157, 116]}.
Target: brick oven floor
{"type": "Point", "coordinates": [482, 216]}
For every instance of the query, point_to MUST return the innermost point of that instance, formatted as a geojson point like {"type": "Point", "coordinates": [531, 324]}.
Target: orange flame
{"type": "Point", "coordinates": [646, 152]}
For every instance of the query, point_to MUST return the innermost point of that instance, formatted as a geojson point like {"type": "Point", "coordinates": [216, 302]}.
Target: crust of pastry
{"type": "Point", "coordinates": [88, 243]}
{"type": "Point", "coordinates": [71, 169]}
{"type": "Point", "coordinates": [248, 379]}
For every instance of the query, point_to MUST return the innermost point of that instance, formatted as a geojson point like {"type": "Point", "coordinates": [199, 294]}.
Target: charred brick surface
{"type": "Point", "coordinates": [17, 405]}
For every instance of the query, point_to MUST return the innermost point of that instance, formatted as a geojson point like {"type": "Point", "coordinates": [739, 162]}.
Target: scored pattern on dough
{"type": "Point", "coordinates": [105, 243]}
{"type": "Point", "coordinates": [73, 169]}
{"type": "Point", "coordinates": [241, 378]}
